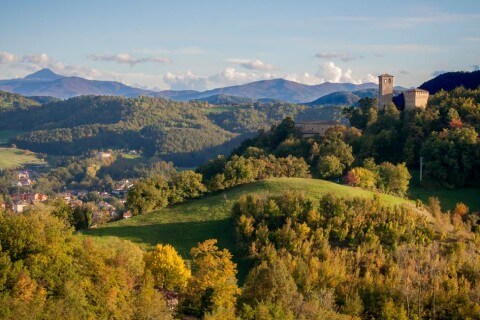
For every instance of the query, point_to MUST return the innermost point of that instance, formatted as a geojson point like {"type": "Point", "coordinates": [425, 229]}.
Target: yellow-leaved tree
{"type": "Point", "coordinates": [212, 291]}
{"type": "Point", "coordinates": [167, 267]}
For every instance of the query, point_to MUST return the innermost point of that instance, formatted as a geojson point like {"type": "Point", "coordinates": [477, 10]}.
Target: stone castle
{"type": "Point", "coordinates": [414, 98]}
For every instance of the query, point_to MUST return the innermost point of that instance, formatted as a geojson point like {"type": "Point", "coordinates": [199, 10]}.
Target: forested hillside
{"type": "Point", "coordinates": [12, 101]}
{"type": "Point", "coordinates": [186, 132]}
{"type": "Point", "coordinates": [76, 125]}
{"type": "Point", "coordinates": [451, 80]}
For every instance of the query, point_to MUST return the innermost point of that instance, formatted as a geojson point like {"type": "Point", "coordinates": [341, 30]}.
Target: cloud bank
{"type": "Point", "coordinates": [329, 72]}
{"type": "Point", "coordinates": [185, 81]}
{"type": "Point", "coordinates": [252, 64]}
{"type": "Point", "coordinates": [125, 58]}
{"type": "Point", "coordinates": [7, 58]}
{"type": "Point", "coordinates": [256, 70]}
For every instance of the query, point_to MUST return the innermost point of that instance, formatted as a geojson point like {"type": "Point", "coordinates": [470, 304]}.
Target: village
{"type": "Point", "coordinates": [106, 202]}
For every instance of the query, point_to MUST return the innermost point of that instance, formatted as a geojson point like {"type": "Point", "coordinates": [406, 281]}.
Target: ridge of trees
{"type": "Point", "coordinates": [356, 258]}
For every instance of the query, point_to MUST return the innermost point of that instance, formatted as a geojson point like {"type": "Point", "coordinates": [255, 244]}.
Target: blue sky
{"type": "Point", "coordinates": [207, 44]}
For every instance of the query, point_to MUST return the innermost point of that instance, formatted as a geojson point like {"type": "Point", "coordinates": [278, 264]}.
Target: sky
{"type": "Point", "coordinates": [205, 44]}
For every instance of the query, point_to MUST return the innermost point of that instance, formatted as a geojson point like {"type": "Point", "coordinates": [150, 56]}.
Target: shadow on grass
{"type": "Point", "coordinates": [183, 236]}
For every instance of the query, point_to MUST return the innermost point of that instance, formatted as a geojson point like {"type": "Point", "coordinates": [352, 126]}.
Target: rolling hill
{"type": "Point", "coordinates": [348, 98]}
{"type": "Point", "coordinates": [451, 80]}
{"type": "Point", "coordinates": [11, 101]}
{"type": "Point", "coordinates": [185, 224]}
{"type": "Point", "coordinates": [223, 99]}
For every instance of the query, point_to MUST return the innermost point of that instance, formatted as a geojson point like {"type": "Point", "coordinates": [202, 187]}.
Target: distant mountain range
{"type": "Point", "coordinates": [47, 83]}
{"type": "Point", "coordinates": [280, 89]}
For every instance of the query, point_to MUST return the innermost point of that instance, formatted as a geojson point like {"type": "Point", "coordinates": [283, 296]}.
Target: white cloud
{"type": "Point", "coordinates": [230, 77]}
{"type": "Point", "coordinates": [252, 64]}
{"type": "Point", "coordinates": [7, 57]}
{"type": "Point", "coordinates": [344, 56]}
{"type": "Point", "coordinates": [369, 78]}
{"type": "Point", "coordinates": [185, 81]}
{"type": "Point", "coordinates": [38, 60]}
{"type": "Point", "coordinates": [227, 77]}
{"type": "Point", "coordinates": [75, 71]}
{"type": "Point", "coordinates": [126, 58]}
{"type": "Point", "coordinates": [305, 78]}
{"type": "Point", "coordinates": [329, 72]}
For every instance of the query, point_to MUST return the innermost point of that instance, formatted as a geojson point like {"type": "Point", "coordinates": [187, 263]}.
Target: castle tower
{"type": "Point", "coordinates": [416, 98]}
{"type": "Point", "coordinates": [385, 90]}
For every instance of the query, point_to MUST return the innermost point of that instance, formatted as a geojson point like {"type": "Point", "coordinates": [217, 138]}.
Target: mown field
{"type": "Point", "coordinates": [13, 158]}
{"type": "Point", "coordinates": [186, 224]}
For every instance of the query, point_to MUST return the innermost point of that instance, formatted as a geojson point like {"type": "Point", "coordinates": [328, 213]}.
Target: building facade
{"type": "Point", "coordinates": [415, 98]}
{"type": "Point", "coordinates": [385, 90]}
{"type": "Point", "coordinates": [313, 128]}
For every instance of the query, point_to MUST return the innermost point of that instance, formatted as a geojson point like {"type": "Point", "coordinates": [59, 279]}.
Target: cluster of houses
{"type": "Point", "coordinates": [122, 186]}
{"type": "Point", "coordinates": [106, 211]}
{"type": "Point", "coordinates": [22, 200]}
{"type": "Point", "coordinates": [24, 178]}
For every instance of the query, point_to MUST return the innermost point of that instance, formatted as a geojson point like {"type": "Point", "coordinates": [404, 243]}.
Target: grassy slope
{"type": "Point", "coordinates": [449, 197]}
{"type": "Point", "coordinates": [186, 224]}
{"type": "Point", "coordinates": [12, 158]}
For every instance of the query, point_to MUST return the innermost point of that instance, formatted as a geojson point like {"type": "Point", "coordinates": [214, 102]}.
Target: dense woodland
{"type": "Point", "coordinates": [356, 257]}
{"type": "Point", "coordinates": [188, 133]}
{"type": "Point", "coordinates": [86, 123]}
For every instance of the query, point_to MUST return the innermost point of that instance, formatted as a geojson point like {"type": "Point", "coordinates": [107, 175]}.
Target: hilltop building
{"type": "Point", "coordinates": [313, 128]}
{"type": "Point", "coordinates": [385, 90]}
{"type": "Point", "coordinates": [413, 98]}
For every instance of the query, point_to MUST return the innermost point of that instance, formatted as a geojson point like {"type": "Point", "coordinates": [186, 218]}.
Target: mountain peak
{"type": "Point", "coordinates": [44, 74]}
